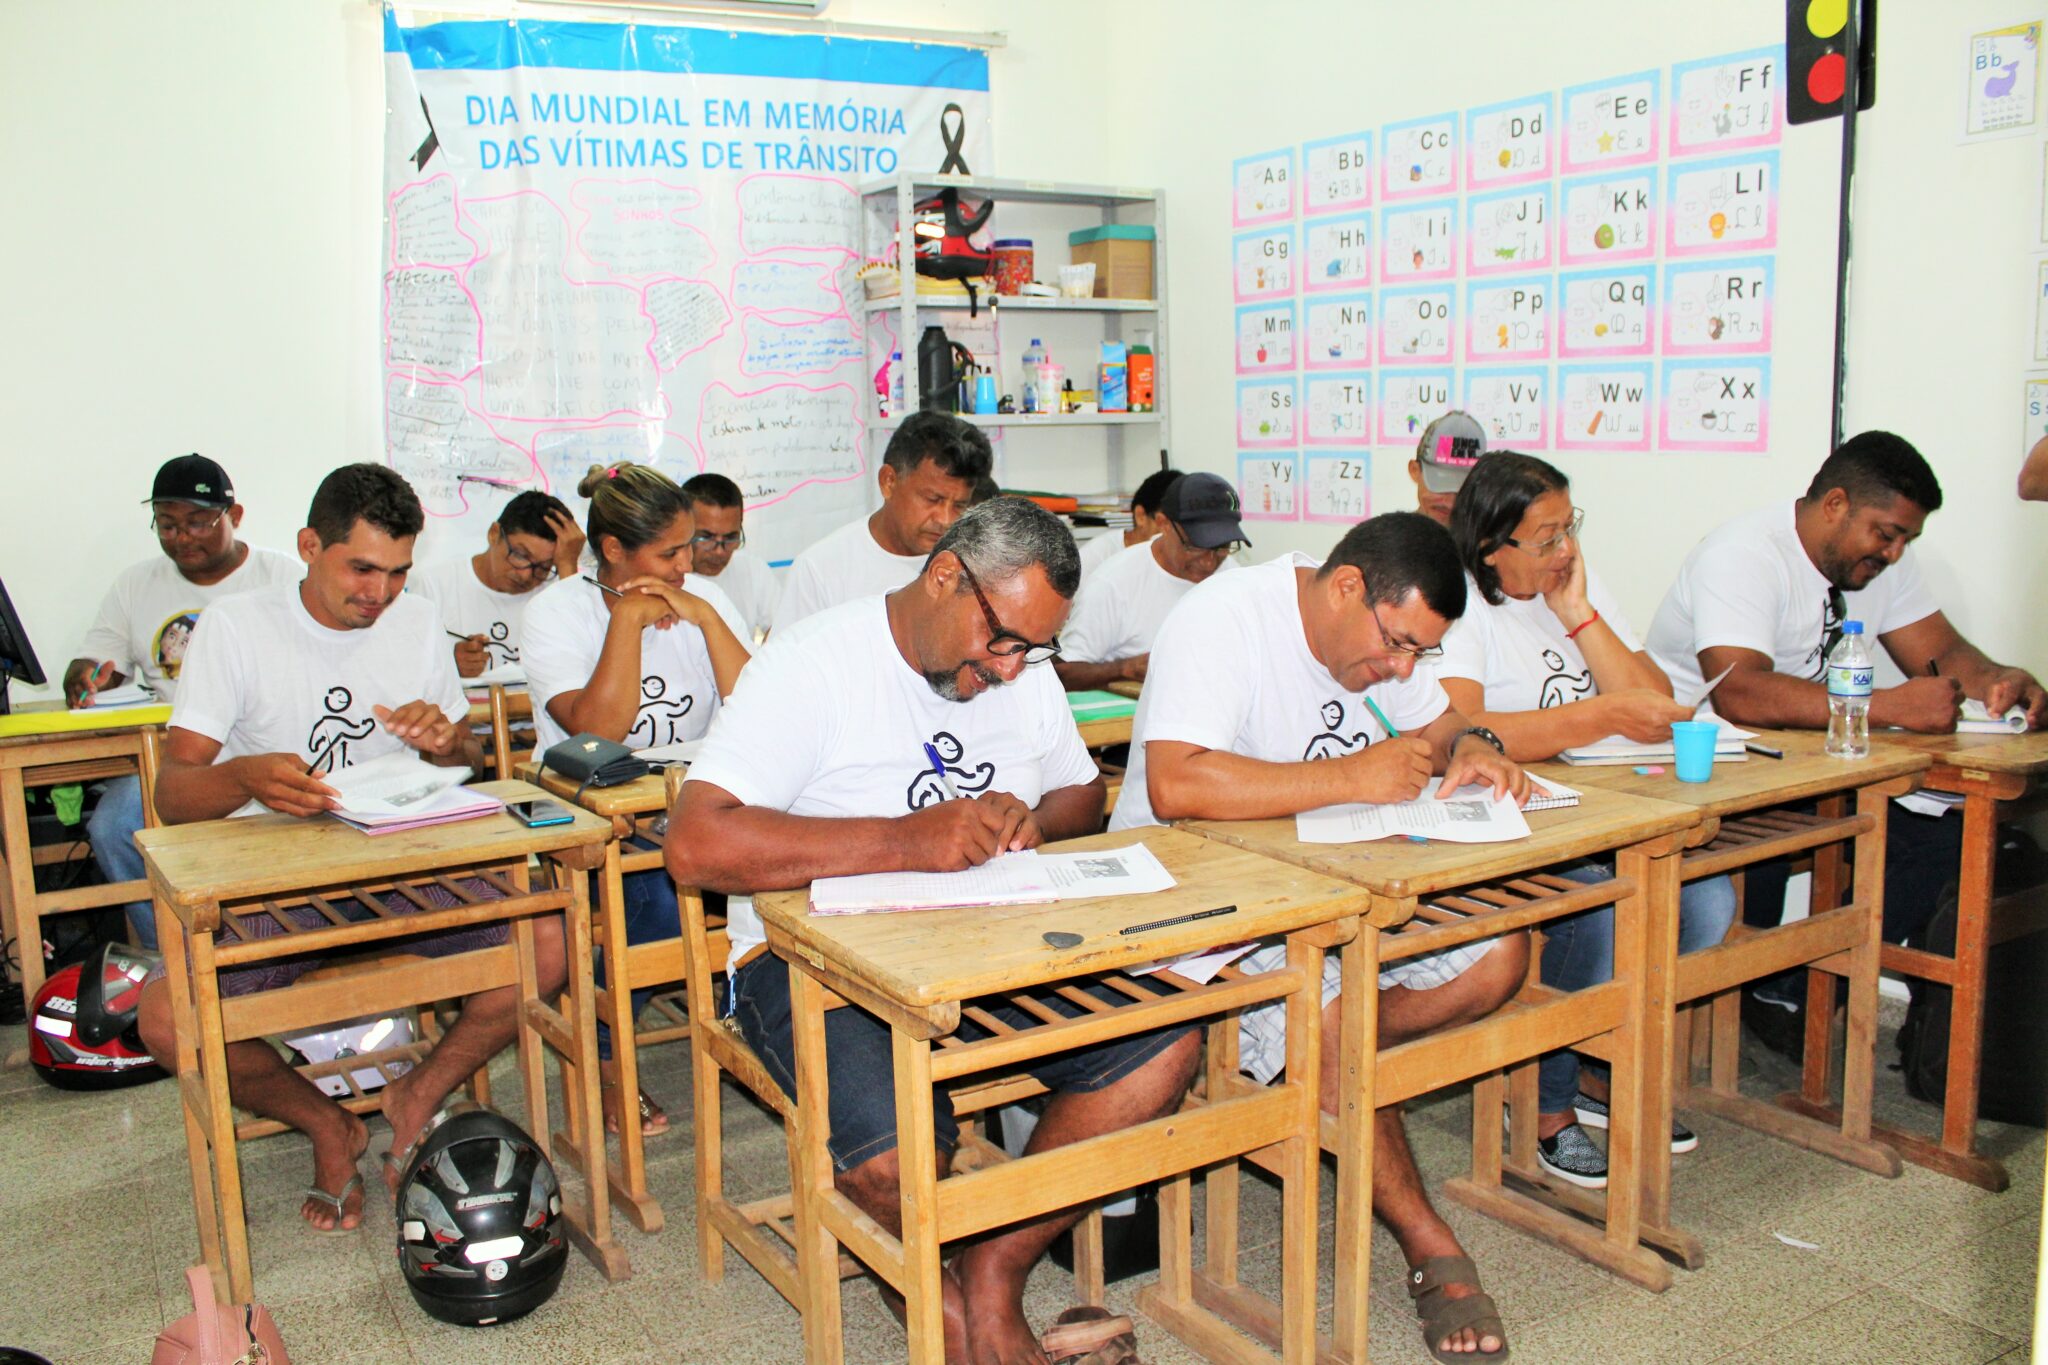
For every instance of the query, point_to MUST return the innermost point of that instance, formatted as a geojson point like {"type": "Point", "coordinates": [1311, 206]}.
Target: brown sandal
{"type": "Point", "coordinates": [1088, 1335]}
{"type": "Point", "coordinates": [653, 1119]}
{"type": "Point", "coordinates": [1442, 1315]}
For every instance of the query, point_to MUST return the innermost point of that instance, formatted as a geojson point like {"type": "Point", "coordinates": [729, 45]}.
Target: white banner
{"type": "Point", "coordinates": [637, 241]}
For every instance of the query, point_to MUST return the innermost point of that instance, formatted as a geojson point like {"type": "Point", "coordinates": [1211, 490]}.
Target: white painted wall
{"type": "Point", "coordinates": [193, 245]}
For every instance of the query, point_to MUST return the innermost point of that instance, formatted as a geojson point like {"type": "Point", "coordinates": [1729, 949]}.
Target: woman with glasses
{"type": "Point", "coordinates": [1544, 659]}
{"type": "Point", "coordinates": [642, 653]}
{"type": "Point", "coordinates": [483, 598]}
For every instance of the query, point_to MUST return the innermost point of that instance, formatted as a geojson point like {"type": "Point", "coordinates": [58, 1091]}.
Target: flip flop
{"type": "Point", "coordinates": [1443, 1315]}
{"type": "Point", "coordinates": [353, 1185]}
{"type": "Point", "coordinates": [1088, 1335]}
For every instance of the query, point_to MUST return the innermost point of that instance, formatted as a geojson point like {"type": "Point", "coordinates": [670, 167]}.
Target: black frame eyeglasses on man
{"type": "Point", "coordinates": [1002, 641]}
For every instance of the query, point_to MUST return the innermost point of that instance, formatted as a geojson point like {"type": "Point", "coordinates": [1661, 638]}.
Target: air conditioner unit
{"type": "Point", "coordinates": [784, 9]}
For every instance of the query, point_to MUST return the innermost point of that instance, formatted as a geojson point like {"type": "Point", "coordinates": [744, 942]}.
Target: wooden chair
{"type": "Point", "coordinates": [764, 1230]}
{"type": "Point", "coordinates": [508, 707]}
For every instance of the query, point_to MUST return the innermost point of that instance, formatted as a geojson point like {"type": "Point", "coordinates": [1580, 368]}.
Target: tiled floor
{"type": "Point", "coordinates": [96, 1222]}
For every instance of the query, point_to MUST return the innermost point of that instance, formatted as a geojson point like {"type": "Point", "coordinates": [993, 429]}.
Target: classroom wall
{"type": "Point", "coordinates": [1941, 293]}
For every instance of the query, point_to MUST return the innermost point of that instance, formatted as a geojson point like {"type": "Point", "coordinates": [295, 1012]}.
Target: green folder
{"type": "Point", "coordinates": [1100, 705]}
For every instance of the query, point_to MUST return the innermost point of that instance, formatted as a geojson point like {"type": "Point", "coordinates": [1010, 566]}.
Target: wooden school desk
{"type": "Point", "coordinates": [1985, 770]}
{"type": "Point", "coordinates": [208, 878]}
{"type": "Point", "coordinates": [49, 747]}
{"type": "Point", "coordinates": [919, 973]}
{"type": "Point", "coordinates": [1743, 822]}
{"type": "Point", "coordinates": [1429, 896]}
{"type": "Point", "coordinates": [632, 810]}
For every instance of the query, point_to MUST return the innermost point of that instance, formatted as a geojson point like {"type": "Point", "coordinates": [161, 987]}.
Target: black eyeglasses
{"type": "Point", "coordinates": [527, 564]}
{"type": "Point", "coordinates": [1831, 624]}
{"type": "Point", "coordinates": [1228, 547]}
{"type": "Point", "coordinates": [707, 541]}
{"type": "Point", "coordinates": [1549, 546]}
{"type": "Point", "coordinates": [1002, 641]}
{"type": "Point", "coordinates": [1413, 651]}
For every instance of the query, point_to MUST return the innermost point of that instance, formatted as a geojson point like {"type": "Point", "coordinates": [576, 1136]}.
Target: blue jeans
{"type": "Point", "coordinates": [651, 915]}
{"type": "Point", "coordinates": [1579, 952]}
{"type": "Point", "coordinates": [111, 827]}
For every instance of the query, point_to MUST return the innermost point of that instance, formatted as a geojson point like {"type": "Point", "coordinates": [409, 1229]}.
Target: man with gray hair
{"type": "Point", "coordinates": [907, 733]}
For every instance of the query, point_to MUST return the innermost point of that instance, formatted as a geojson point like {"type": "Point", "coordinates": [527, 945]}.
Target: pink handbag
{"type": "Point", "coordinates": [214, 1334]}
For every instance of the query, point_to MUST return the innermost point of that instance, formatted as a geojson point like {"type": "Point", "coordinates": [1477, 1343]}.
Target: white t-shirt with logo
{"type": "Point", "coordinates": [1118, 612]}
{"type": "Point", "coordinates": [1517, 652]}
{"type": "Point", "coordinates": [263, 677]}
{"type": "Point", "coordinates": [847, 564]}
{"type": "Point", "coordinates": [750, 583]}
{"type": "Point", "coordinates": [829, 721]}
{"type": "Point", "coordinates": [564, 638]}
{"type": "Point", "coordinates": [468, 607]}
{"type": "Point", "coordinates": [1750, 585]}
{"type": "Point", "coordinates": [1098, 550]}
{"type": "Point", "coordinates": [1231, 670]}
{"type": "Point", "coordinates": [146, 620]}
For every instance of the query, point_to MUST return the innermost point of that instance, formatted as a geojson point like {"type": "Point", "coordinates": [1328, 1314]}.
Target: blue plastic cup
{"type": "Point", "coordinates": [985, 394]}
{"type": "Point", "coordinates": [1692, 743]}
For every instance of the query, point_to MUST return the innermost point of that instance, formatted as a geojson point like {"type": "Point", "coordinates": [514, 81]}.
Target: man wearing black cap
{"type": "Point", "coordinates": [1109, 636]}
{"type": "Point", "coordinates": [146, 621]}
{"type": "Point", "coordinates": [1449, 447]}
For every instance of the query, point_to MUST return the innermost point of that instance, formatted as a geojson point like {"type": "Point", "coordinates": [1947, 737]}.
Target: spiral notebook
{"type": "Point", "coordinates": [1548, 795]}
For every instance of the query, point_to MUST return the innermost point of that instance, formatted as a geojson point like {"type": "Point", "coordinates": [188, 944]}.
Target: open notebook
{"type": "Point", "coordinates": [1975, 720]}
{"type": "Point", "coordinates": [1616, 750]}
{"type": "Point", "coordinates": [402, 791]}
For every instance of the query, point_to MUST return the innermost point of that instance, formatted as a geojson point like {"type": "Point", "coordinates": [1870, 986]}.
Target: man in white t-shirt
{"type": "Point", "coordinates": [927, 480]}
{"type": "Point", "coordinates": [1444, 457]}
{"type": "Point", "coordinates": [1767, 593]}
{"type": "Point", "coordinates": [145, 625]}
{"type": "Point", "coordinates": [818, 767]}
{"type": "Point", "coordinates": [1119, 611]}
{"type": "Point", "coordinates": [483, 598]}
{"type": "Point", "coordinates": [721, 554]}
{"type": "Point", "coordinates": [280, 688]}
{"type": "Point", "coordinates": [1145, 523]}
{"type": "Point", "coordinates": [1271, 692]}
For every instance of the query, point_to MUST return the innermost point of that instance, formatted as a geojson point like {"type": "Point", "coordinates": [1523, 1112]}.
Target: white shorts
{"type": "Point", "coordinates": [1262, 1031]}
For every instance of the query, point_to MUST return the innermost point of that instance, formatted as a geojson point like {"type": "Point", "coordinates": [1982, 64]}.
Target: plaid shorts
{"type": "Point", "coordinates": [281, 972]}
{"type": "Point", "coordinates": [1262, 1031]}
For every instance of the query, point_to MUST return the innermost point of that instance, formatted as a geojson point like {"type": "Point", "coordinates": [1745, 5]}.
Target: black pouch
{"type": "Point", "coordinates": [594, 762]}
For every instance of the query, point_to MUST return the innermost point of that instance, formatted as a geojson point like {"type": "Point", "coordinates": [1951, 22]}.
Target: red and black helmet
{"type": "Point", "coordinates": [82, 1033]}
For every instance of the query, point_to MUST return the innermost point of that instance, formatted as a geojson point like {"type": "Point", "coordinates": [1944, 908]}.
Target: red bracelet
{"type": "Point", "coordinates": [1573, 633]}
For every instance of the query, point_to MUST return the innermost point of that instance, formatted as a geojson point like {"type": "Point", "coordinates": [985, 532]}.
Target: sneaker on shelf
{"type": "Point", "coordinates": [1573, 1156]}
{"type": "Point", "coordinates": [1593, 1113]}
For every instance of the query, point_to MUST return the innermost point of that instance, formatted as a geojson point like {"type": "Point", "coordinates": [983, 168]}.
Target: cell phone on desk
{"type": "Point", "coordinates": [537, 814]}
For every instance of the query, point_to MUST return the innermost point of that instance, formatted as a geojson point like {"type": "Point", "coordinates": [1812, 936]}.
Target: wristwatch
{"type": "Point", "coordinates": [1481, 732]}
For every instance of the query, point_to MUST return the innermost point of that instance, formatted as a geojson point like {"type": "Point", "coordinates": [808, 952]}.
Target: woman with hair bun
{"type": "Point", "coordinates": [643, 656]}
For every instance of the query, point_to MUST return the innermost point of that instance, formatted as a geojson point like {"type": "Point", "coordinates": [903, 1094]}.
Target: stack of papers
{"type": "Point", "coordinates": [1469, 815]}
{"type": "Point", "coordinates": [506, 675]}
{"type": "Point", "coordinates": [1617, 750]}
{"type": "Point", "coordinates": [127, 694]}
{"type": "Point", "coordinates": [403, 791]}
{"type": "Point", "coordinates": [1023, 878]}
{"type": "Point", "coordinates": [1977, 721]}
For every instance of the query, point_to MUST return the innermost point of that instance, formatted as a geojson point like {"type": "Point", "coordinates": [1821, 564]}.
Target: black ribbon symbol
{"type": "Point", "coordinates": [955, 163]}
{"type": "Point", "coordinates": [427, 149]}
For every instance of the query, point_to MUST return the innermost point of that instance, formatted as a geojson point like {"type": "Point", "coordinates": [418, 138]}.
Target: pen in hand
{"type": "Point", "coordinates": [939, 766]}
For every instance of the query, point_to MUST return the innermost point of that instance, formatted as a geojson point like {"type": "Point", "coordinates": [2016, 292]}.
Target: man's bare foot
{"type": "Point", "coordinates": [997, 1331]}
{"type": "Point", "coordinates": [407, 1113]}
{"type": "Point", "coordinates": [337, 1147]}
{"type": "Point", "coordinates": [956, 1313]}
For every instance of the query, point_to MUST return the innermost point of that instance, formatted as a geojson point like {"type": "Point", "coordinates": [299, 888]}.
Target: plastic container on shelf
{"type": "Point", "coordinates": [1033, 395]}
{"type": "Point", "coordinates": [1144, 374]}
{"type": "Point", "coordinates": [1014, 264]}
{"type": "Point", "coordinates": [1112, 383]}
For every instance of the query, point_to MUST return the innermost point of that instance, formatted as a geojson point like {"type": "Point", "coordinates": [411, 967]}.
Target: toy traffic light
{"type": "Point", "coordinates": [1817, 69]}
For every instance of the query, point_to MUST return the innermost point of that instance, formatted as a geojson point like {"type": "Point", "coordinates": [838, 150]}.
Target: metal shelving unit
{"type": "Point", "coordinates": [892, 202]}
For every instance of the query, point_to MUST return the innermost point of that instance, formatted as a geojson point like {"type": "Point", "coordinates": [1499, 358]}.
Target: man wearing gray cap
{"type": "Point", "coordinates": [1120, 608]}
{"type": "Point", "coordinates": [1449, 447]}
{"type": "Point", "coordinates": [147, 620]}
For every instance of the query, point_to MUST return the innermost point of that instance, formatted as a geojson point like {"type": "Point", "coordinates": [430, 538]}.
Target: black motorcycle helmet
{"type": "Point", "coordinates": [480, 1235]}
{"type": "Point", "coordinates": [82, 1033]}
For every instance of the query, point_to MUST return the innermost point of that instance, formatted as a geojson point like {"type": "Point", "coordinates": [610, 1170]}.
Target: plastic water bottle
{"type": "Point", "coordinates": [896, 382]}
{"type": "Point", "coordinates": [1849, 674]}
{"type": "Point", "coordinates": [1034, 356]}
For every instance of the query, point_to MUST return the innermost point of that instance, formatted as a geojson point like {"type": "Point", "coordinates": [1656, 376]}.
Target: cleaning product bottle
{"type": "Point", "coordinates": [1112, 380]}
{"type": "Point", "coordinates": [1034, 356]}
{"type": "Point", "coordinates": [1144, 373]}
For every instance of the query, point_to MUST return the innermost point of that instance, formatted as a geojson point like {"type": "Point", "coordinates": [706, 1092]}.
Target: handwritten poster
{"type": "Point", "coordinates": [1416, 325]}
{"type": "Point", "coordinates": [1338, 253]}
{"type": "Point", "coordinates": [1508, 231]}
{"type": "Point", "coordinates": [1419, 158]}
{"type": "Point", "coordinates": [1264, 188]}
{"type": "Point", "coordinates": [1715, 404]}
{"type": "Point", "coordinates": [1719, 307]}
{"type": "Point", "coordinates": [1507, 319]}
{"type": "Point", "coordinates": [1264, 263]}
{"type": "Point", "coordinates": [1409, 401]}
{"type": "Point", "coordinates": [1419, 242]}
{"type": "Point", "coordinates": [1511, 405]}
{"type": "Point", "coordinates": [1339, 332]}
{"type": "Point", "coordinates": [1729, 204]}
{"type": "Point", "coordinates": [1269, 485]}
{"type": "Point", "coordinates": [1612, 123]}
{"type": "Point", "coordinates": [2001, 86]}
{"type": "Point", "coordinates": [1606, 312]}
{"type": "Point", "coordinates": [1509, 143]}
{"type": "Point", "coordinates": [1339, 409]}
{"type": "Point", "coordinates": [1265, 412]}
{"type": "Point", "coordinates": [1338, 485]}
{"type": "Point", "coordinates": [1721, 104]}
{"type": "Point", "coordinates": [1604, 407]}
{"type": "Point", "coordinates": [1609, 217]}
{"type": "Point", "coordinates": [1337, 174]}
{"type": "Point", "coordinates": [1265, 338]}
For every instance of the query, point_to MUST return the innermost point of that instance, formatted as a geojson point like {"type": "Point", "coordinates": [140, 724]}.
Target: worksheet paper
{"type": "Point", "coordinates": [1027, 877]}
{"type": "Point", "coordinates": [127, 694]}
{"type": "Point", "coordinates": [392, 787]}
{"type": "Point", "coordinates": [504, 675]}
{"type": "Point", "coordinates": [685, 752]}
{"type": "Point", "coordinates": [1469, 815]}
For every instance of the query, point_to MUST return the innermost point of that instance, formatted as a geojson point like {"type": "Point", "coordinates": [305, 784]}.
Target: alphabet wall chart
{"type": "Point", "coordinates": [1586, 269]}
